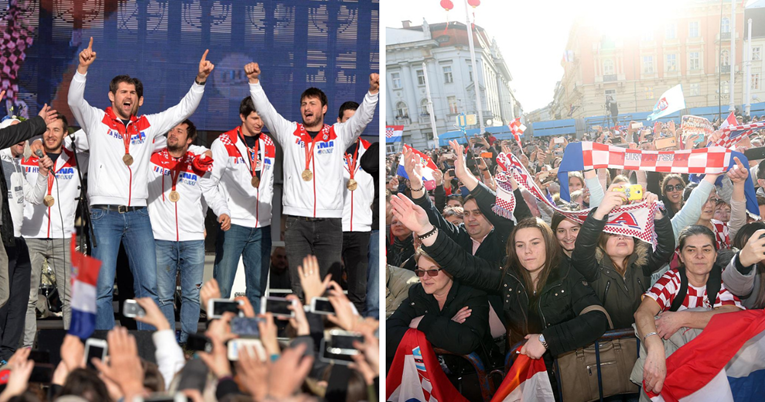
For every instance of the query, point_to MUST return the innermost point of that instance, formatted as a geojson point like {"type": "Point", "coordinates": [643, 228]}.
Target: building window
{"type": "Point", "coordinates": [448, 78]}
{"type": "Point", "coordinates": [756, 53]}
{"type": "Point", "coordinates": [694, 61]}
{"type": "Point", "coordinates": [648, 92]}
{"type": "Point", "coordinates": [452, 101]}
{"type": "Point", "coordinates": [424, 108]}
{"type": "Point", "coordinates": [470, 71]}
{"type": "Point", "coordinates": [611, 93]}
{"type": "Point", "coordinates": [695, 89]}
{"type": "Point", "coordinates": [725, 87]}
{"type": "Point", "coordinates": [647, 36]}
{"type": "Point", "coordinates": [396, 78]}
{"type": "Point", "coordinates": [725, 58]}
{"type": "Point", "coordinates": [420, 77]}
{"type": "Point", "coordinates": [693, 29]}
{"type": "Point", "coordinates": [756, 81]}
{"type": "Point", "coordinates": [402, 112]}
{"type": "Point", "coordinates": [725, 25]}
{"type": "Point", "coordinates": [647, 64]}
{"type": "Point", "coordinates": [670, 63]}
{"type": "Point", "coordinates": [670, 32]}
{"type": "Point", "coordinates": [608, 67]}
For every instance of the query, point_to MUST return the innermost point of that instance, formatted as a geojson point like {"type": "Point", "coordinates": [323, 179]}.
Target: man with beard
{"type": "Point", "coordinates": [121, 145]}
{"type": "Point", "coordinates": [313, 172]}
{"type": "Point", "coordinates": [48, 227]}
{"type": "Point", "coordinates": [280, 276]}
{"type": "Point", "coordinates": [178, 181]}
{"type": "Point", "coordinates": [244, 173]}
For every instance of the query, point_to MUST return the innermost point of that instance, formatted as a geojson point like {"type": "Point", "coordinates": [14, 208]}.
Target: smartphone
{"type": "Point", "coordinates": [633, 192]}
{"type": "Point", "coordinates": [235, 346]}
{"type": "Point", "coordinates": [216, 307]}
{"type": "Point", "coordinates": [667, 142]}
{"type": "Point", "coordinates": [42, 373]}
{"type": "Point", "coordinates": [244, 326]}
{"type": "Point", "coordinates": [95, 348]}
{"type": "Point", "coordinates": [637, 125]}
{"type": "Point", "coordinates": [162, 397]}
{"type": "Point", "coordinates": [337, 346]}
{"type": "Point", "coordinates": [486, 155]}
{"type": "Point", "coordinates": [754, 154]}
{"type": "Point", "coordinates": [278, 306]}
{"type": "Point", "coordinates": [558, 140]}
{"type": "Point", "coordinates": [321, 305]}
{"type": "Point", "coordinates": [193, 375]}
{"type": "Point", "coordinates": [130, 308]}
{"type": "Point", "coordinates": [199, 343]}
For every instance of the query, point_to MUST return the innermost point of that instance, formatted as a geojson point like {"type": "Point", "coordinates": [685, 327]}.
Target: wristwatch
{"type": "Point", "coordinates": [542, 340]}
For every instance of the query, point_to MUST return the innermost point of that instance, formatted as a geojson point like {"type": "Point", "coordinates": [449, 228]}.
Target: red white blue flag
{"type": "Point", "coordinates": [84, 279]}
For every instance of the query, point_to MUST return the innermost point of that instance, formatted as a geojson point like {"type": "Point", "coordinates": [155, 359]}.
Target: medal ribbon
{"type": "Point", "coordinates": [252, 152]}
{"type": "Point", "coordinates": [175, 171]}
{"type": "Point", "coordinates": [352, 161]}
{"type": "Point", "coordinates": [126, 140]}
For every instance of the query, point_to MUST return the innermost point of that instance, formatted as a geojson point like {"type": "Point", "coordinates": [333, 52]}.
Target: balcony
{"type": "Point", "coordinates": [725, 69]}
{"type": "Point", "coordinates": [609, 78]}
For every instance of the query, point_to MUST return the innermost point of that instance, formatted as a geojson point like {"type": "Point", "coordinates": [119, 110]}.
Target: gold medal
{"type": "Point", "coordinates": [307, 175]}
{"type": "Point", "coordinates": [127, 159]}
{"type": "Point", "coordinates": [352, 185]}
{"type": "Point", "coordinates": [49, 200]}
{"type": "Point", "coordinates": [174, 196]}
{"type": "Point", "coordinates": [255, 181]}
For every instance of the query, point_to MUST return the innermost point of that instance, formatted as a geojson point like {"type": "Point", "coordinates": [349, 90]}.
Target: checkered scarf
{"type": "Point", "coordinates": [635, 220]}
{"type": "Point", "coordinates": [731, 135]}
{"type": "Point", "coordinates": [17, 37]}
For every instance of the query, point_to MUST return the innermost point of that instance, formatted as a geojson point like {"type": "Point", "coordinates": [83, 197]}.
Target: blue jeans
{"type": "Point", "coordinates": [254, 246]}
{"type": "Point", "coordinates": [373, 276]}
{"type": "Point", "coordinates": [133, 229]}
{"type": "Point", "coordinates": [189, 258]}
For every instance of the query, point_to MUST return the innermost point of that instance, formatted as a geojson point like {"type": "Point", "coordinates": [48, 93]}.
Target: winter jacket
{"type": "Point", "coordinates": [399, 251]}
{"type": "Point", "coordinates": [621, 295]}
{"type": "Point", "coordinates": [437, 324]}
{"type": "Point", "coordinates": [563, 297]}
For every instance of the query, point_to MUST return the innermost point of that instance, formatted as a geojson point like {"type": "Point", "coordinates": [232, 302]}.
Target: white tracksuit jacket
{"type": "Point", "coordinates": [20, 192]}
{"type": "Point", "coordinates": [110, 181]}
{"type": "Point", "coordinates": [357, 204]}
{"type": "Point", "coordinates": [250, 206]}
{"type": "Point", "coordinates": [322, 196]}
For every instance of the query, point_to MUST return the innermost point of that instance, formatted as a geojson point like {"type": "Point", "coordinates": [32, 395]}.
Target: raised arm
{"type": "Point", "coordinates": [690, 213]}
{"type": "Point", "coordinates": [280, 128]}
{"type": "Point", "coordinates": [351, 129]}
{"type": "Point", "coordinates": [738, 176]}
{"type": "Point", "coordinates": [740, 274]}
{"type": "Point", "coordinates": [85, 114]}
{"type": "Point", "coordinates": [583, 257]}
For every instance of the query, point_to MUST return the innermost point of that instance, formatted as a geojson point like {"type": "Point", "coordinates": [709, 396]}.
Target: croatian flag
{"type": "Point", "coordinates": [84, 279]}
{"type": "Point", "coordinates": [415, 374]}
{"type": "Point", "coordinates": [729, 121]}
{"type": "Point", "coordinates": [427, 168]}
{"type": "Point", "coordinates": [726, 362]}
{"type": "Point", "coordinates": [527, 380]}
{"type": "Point", "coordinates": [669, 102]}
{"type": "Point", "coordinates": [732, 133]}
{"type": "Point", "coordinates": [393, 133]}
{"type": "Point", "coordinates": [517, 128]}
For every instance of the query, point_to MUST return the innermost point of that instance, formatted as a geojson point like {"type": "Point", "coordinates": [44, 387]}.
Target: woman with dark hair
{"type": "Point", "coordinates": [745, 273]}
{"type": "Point", "coordinates": [542, 296]}
{"type": "Point", "coordinates": [619, 267]}
{"type": "Point", "coordinates": [672, 193]}
{"type": "Point", "coordinates": [566, 231]}
{"type": "Point", "coordinates": [85, 383]}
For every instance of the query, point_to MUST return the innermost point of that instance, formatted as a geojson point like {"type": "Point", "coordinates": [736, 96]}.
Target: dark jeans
{"type": "Point", "coordinates": [356, 259]}
{"type": "Point", "coordinates": [13, 313]}
{"type": "Point", "coordinates": [322, 237]}
{"type": "Point", "coordinates": [373, 276]}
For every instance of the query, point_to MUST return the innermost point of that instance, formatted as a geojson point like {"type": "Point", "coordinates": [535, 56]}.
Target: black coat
{"type": "Point", "coordinates": [621, 295]}
{"type": "Point", "coordinates": [9, 136]}
{"type": "Point", "coordinates": [563, 297]}
{"type": "Point", "coordinates": [437, 324]}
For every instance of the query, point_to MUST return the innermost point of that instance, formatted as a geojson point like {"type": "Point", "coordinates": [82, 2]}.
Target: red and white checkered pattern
{"type": "Point", "coordinates": [505, 204]}
{"type": "Point", "coordinates": [667, 287]}
{"type": "Point", "coordinates": [699, 161]}
{"type": "Point", "coordinates": [722, 234]}
{"type": "Point", "coordinates": [726, 132]}
{"type": "Point", "coordinates": [17, 36]}
{"type": "Point", "coordinates": [634, 220]}
{"type": "Point", "coordinates": [517, 128]}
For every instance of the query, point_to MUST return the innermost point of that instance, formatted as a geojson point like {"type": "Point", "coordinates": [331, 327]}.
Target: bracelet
{"type": "Point", "coordinates": [426, 235]}
{"type": "Point", "coordinates": [418, 189]}
{"type": "Point", "coordinates": [649, 334]}
{"type": "Point", "coordinates": [484, 170]}
{"type": "Point", "coordinates": [199, 83]}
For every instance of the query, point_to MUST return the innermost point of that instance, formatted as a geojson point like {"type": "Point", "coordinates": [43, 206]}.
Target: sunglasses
{"type": "Point", "coordinates": [715, 200]}
{"type": "Point", "coordinates": [431, 272]}
{"type": "Point", "coordinates": [676, 187]}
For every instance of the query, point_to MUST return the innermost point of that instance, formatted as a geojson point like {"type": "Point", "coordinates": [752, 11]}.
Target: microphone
{"type": "Point", "coordinates": [39, 154]}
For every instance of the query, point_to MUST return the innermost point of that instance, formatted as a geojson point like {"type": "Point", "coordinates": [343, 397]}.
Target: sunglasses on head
{"type": "Point", "coordinates": [431, 272]}
{"type": "Point", "coordinates": [676, 187]}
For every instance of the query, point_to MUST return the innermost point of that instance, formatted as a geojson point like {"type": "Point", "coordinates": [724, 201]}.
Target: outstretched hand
{"type": "Point", "coordinates": [739, 173]}
{"type": "Point", "coordinates": [409, 214]}
{"type": "Point", "coordinates": [87, 57]}
{"type": "Point", "coordinates": [48, 114]}
{"type": "Point", "coordinates": [205, 68]}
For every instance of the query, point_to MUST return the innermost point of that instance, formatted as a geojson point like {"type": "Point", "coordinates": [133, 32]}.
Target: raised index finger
{"type": "Point", "coordinates": [90, 46]}
{"type": "Point", "coordinates": [204, 56]}
{"type": "Point", "coordinates": [738, 163]}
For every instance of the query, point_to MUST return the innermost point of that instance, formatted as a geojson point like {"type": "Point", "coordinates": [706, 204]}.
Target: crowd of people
{"type": "Point", "coordinates": [146, 187]}
{"type": "Point", "coordinates": [540, 280]}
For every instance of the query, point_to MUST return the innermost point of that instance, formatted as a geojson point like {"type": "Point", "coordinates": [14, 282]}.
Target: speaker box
{"type": "Point", "coordinates": [51, 340]}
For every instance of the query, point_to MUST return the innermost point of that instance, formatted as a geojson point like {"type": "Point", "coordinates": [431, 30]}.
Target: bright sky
{"type": "Point", "coordinates": [532, 35]}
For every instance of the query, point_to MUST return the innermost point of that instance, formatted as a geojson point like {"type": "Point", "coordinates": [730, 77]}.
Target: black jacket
{"type": "Point", "coordinates": [399, 251]}
{"type": "Point", "coordinates": [621, 295]}
{"type": "Point", "coordinates": [564, 296]}
{"type": "Point", "coordinates": [370, 162]}
{"type": "Point", "coordinates": [437, 324]}
{"type": "Point", "coordinates": [493, 246]}
{"type": "Point", "coordinates": [9, 136]}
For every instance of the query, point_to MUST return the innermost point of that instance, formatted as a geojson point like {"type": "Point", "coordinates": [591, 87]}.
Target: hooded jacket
{"type": "Point", "coordinates": [621, 295]}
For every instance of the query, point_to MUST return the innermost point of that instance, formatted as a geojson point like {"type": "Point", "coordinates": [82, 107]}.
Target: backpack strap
{"type": "Point", "coordinates": [595, 307]}
{"type": "Point", "coordinates": [680, 297]}
{"type": "Point", "coordinates": [714, 284]}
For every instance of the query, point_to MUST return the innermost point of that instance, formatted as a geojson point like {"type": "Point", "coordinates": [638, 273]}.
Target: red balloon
{"type": "Point", "coordinates": [447, 4]}
{"type": "Point", "coordinates": [474, 3]}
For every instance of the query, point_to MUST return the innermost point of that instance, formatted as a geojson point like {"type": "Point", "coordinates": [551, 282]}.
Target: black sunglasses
{"type": "Point", "coordinates": [431, 272]}
{"type": "Point", "coordinates": [676, 187]}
